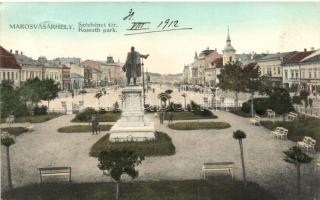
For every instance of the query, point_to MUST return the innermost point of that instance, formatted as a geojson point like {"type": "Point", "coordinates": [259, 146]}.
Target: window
{"type": "Point", "coordinates": [297, 74]}
{"type": "Point", "coordinates": [279, 72]}
{"type": "Point", "coordinates": [4, 75]}
{"type": "Point", "coordinates": [12, 75]}
{"type": "Point", "coordinates": [292, 74]}
{"type": "Point", "coordinates": [286, 74]}
{"type": "Point", "coordinates": [302, 73]}
{"type": "Point", "coordinates": [8, 75]}
{"type": "Point", "coordinates": [310, 74]}
{"type": "Point", "coordinates": [230, 59]}
{"type": "Point", "coordinates": [314, 74]}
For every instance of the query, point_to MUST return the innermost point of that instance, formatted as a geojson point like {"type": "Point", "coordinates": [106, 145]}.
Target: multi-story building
{"type": "Point", "coordinates": [67, 61]}
{"type": "Point", "coordinates": [186, 74]}
{"type": "Point", "coordinates": [9, 68]}
{"type": "Point", "coordinates": [54, 72]}
{"type": "Point", "coordinates": [66, 78]}
{"type": "Point", "coordinates": [270, 66]}
{"type": "Point", "coordinates": [302, 71]}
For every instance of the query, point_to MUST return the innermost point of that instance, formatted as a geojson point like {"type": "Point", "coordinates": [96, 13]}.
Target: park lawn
{"type": "Point", "coordinates": [82, 128]}
{"type": "Point", "coordinates": [188, 116]}
{"type": "Point", "coordinates": [241, 113]}
{"type": "Point", "coordinates": [37, 118]}
{"type": "Point", "coordinates": [159, 147]}
{"type": "Point", "coordinates": [105, 117]}
{"type": "Point", "coordinates": [303, 126]}
{"type": "Point", "coordinates": [216, 189]}
{"type": "Point", "coordinates": [15, 131]}
{"type": "Point", "coordinates": [199, 125]}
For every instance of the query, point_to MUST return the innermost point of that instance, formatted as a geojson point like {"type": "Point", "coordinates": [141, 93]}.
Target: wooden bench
{"type": "Point", "coordinates": [55, 171]}
{"type": "Point", "coordinates": [218, 166]}
{"type": "Point", "coordinates": [292, 116]}
{"type": "Point", "coordinates": [255, 120]}
{"type": "Point", "coordinates": [307, 144]}
{"type": "Point", "coordinates": [280, 132]}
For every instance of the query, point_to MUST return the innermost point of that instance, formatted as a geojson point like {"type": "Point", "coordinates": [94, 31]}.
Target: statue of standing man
{"type": "Point", "coordinates": [132, 67]}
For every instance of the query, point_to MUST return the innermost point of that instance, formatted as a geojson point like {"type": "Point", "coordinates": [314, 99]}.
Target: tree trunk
{"type": "Point", "coordinates": [9, 169]}
{"type": "Point", "coordinates": [117, 190]}
{"type": "Point", "coordinates": [48, 104]}
{"type": "Point", "coordinates": [298, 179]}
{"type": "Point", "coordinates": [252, 111]}
{"type": "Point", "coordinates": [243, 166]}
{"type": "Point", "coordinates": [236, 100]}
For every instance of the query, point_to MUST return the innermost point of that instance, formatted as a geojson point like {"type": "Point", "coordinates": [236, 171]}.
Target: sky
{"type": "Point", "coordinates": [254, 26]}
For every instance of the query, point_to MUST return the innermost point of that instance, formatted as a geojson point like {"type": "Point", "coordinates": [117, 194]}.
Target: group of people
{"type": "Point", "coordinates": [165, 115]}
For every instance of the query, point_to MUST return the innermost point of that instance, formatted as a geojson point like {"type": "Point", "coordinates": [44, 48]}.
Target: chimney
{"type": "Point", "coordinates": [10, 50]}
{"type": "Point", "coordinates": [16, 52]}
{"type": "Point", "coordinates": [21, 53]}
{"type": "Point", "coordinates": [305, 50]}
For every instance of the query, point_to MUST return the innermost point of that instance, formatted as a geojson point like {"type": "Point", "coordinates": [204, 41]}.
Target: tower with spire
{"type": "Point", "coordinates": [229, 53]}
{"type": "Point", "coordinates": [195, 56]}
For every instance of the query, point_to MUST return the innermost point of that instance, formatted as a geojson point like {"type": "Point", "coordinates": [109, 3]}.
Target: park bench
{"type": "Point", "coordinates": [271, 113]}
{"type": "Point", "coordinates": [292, 116]}
{"type": "Point", "coordinates": [307, 144]}
{"type": "Point", "coordinates": [29, 128]}
{"type": "Point", "coordinates": [280, 132]}
{"type": "Point", "coordinates": [255, 120]}
{"type": "Point", "coordinates": [217, 166]}
{"type": "Point", "coordinates": [55, 171]}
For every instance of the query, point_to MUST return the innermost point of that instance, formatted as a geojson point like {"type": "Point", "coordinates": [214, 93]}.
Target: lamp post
{"type": "Point", "coordinates": [216, 97]}
{"type": "Point", "coordinates": [144, 95]}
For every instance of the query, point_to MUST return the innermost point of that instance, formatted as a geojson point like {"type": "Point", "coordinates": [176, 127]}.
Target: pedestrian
{"type": "Point", "coordinates": [72, 94]}
{"type": "Point", "coordinates": [95, 124]}
{"type": "Point", "coordinates": [170, 117]}
{"type": "Point", "coordinates": [161, 117]}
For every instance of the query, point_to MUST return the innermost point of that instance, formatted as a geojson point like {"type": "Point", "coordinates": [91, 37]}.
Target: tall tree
{"type": "Point", "coordinates": [7, 140]}
{"type": "Point", "coordinates": [119, 162]}
{"type": "Point", "coordinates": [280, 101]}
{"type": "Point", "coordinates": [304, 97]}
{"type": "Point", "coordinates": [231, 78]}
{"type": "Point", "coordinates": [296, 157]}
{"type": "Point", "coordinates": [240, 135]}
{"type": "Point", "coordinates": [30, 90]}
{"type": "Point", "coordinates": [9, 100]}
{"type": "Point", "coordinates": [252, 83]}
{"type": "Point", "coordinates": [49, 90]}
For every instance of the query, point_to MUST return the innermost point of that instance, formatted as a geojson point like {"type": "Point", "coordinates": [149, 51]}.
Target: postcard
{"type": "Point", "coordinates": [160, 100]}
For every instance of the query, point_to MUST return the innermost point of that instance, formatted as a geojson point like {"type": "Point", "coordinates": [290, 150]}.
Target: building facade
{"type": "Point", "coordinates": [9, 68]}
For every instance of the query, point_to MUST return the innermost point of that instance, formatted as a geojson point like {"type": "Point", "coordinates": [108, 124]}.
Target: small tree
{"type": "Point", "coordinates": [168, 92]}
{"type": "Point", "coordinates": [296, 157]}
{"type": "Point", "coordinates": [119, 162]}
{"type": "Point", "coordinates": [7, 140]}
{"type": "Point", "coordinates": [184, 95]}
{"type": "Point", "coordinates": [232, 78]}
{"type": "Point", "coordinates": [49, 90]}
{"type": "Point", "coordinates": [98, 96]}
{"type": "Point", "coordinates": [280, 102]}
{"type": "Point", "coordinates": [240, 135]}
{"type": "Point", "coordinates": [164, 97]}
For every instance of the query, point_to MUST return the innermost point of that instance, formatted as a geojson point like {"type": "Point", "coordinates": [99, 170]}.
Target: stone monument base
{"type": "Point", "coordinates": [133, 125]}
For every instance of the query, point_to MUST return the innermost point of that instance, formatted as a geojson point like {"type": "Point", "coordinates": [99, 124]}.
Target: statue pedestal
{"type": "Point", "coordinates": [133, 125]}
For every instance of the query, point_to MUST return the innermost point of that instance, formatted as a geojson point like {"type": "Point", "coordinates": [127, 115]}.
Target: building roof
{"type": "Point", "coordinates": [250, 65]}
{"type": "Point", "coordinates": [277, 56]}
{"type": "Point", "coordinates": [218, 62]}
{"type": "Point", "coordinates": [297, 57]}
{"type": "Point", "coordinates": [7, 60]}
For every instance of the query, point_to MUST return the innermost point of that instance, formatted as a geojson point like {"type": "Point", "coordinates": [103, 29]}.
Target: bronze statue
{"type": "Point", "coordinates": [132, 67]}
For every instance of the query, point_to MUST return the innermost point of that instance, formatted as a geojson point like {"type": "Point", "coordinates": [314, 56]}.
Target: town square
{"type": "Point", "coordinates": [149, 111]}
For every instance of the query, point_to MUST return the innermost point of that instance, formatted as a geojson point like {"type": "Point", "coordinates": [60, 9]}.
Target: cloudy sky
{"type": "Point", "coordinates": [258, 27]}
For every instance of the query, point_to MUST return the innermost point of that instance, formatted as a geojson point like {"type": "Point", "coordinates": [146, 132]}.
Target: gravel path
{"type": "Point", "coordinates": [263, 155]}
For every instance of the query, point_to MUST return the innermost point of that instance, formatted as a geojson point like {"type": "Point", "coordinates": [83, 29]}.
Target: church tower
{"type": "Point", "coordinates": [229, 53]}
